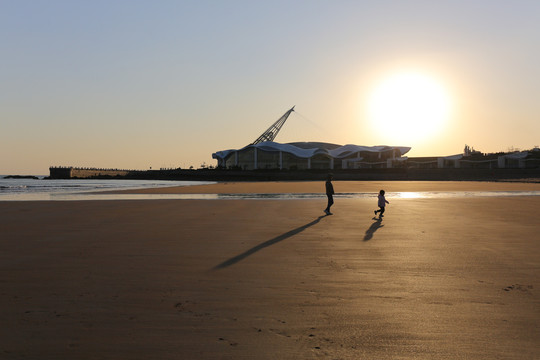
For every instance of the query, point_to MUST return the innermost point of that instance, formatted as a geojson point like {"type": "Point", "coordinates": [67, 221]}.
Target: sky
{"type": "Point", "coordinates": [136, 84]}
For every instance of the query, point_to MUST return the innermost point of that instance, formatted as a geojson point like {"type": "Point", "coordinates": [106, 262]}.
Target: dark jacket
{"type": "Point", "coordinates": [329, 188]}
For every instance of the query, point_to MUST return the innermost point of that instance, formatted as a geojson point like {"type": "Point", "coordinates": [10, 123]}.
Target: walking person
{"type": "Point", "coordinates": [382, 204]}
{"type": "Point", "coordinates": [329, 194]}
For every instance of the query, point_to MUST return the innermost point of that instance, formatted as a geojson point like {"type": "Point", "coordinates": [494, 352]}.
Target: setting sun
{"type": "Point", "coordinates": [408, 107]}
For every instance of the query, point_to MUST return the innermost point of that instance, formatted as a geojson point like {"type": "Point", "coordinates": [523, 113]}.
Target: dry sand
{"type": "Point", "coordinates": [271, 279]}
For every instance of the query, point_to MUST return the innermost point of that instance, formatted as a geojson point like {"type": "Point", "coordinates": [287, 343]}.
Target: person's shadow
{"type": "Point", "coordinates": [267, 243]}
{"type": "Point", "coordinates": [374, 227]}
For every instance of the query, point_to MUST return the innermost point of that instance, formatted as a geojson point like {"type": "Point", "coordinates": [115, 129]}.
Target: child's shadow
{"type": "Point", "coordinates": [374, 227]}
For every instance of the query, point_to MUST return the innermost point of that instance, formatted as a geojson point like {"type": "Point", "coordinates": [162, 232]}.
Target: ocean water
{"type": "Point", "coordinates": [64, 190]}
{"type": "Point", "coordinates": [75, 189]}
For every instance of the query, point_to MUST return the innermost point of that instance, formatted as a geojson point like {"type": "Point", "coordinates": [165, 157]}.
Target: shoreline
{"type": "Point", "coordinates": [286, 190]}
{"type": "Point", "coordinates": [299, 187]}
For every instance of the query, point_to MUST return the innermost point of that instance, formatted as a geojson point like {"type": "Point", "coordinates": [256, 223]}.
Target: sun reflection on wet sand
{"type": "Point", "coordinates": [260, 196]}
{"type": "Point", "coordinates": [409, 195]}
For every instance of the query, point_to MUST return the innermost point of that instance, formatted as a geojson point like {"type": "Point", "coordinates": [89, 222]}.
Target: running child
{"type": "Point", "coordinates": [382, 203]}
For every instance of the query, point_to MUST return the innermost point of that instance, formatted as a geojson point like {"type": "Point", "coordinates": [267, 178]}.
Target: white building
{"type": "Point", "coordinates": [310, 155]}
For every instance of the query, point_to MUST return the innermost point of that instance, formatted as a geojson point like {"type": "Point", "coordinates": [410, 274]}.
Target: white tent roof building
{"type": "Point", "coordinates": [264, 153]}
{"type": "Point", "coordinates": [309, 155]}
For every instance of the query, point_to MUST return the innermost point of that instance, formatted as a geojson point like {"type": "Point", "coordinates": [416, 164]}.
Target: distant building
{"type": "Point", "coordinates": [310, 155]}
{"type": "Point", "coordinates": [264, 153]}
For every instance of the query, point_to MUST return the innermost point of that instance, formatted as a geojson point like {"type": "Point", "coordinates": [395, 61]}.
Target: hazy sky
{"type": "Point", "coordinates": [139, 84]}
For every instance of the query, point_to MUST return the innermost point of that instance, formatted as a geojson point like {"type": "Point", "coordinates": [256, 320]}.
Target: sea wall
{"type": "Point", "coordinates": [90, 173]}
{"type": "Point", "coordinates": [85, 173]}
{"type": "Point", "coordinates": [449, 174]}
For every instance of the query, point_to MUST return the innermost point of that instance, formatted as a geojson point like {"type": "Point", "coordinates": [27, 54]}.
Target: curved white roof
{"type": "Point", "coordinates": [337, 153]}
{"type": "Point", "coordinates": [517, 155]}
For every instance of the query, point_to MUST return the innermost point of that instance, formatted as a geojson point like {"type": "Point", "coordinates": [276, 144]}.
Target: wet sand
{"type": "Point", "coordinates": [271, 279]}
{"type": "Point", "coordinates": [273, 187]}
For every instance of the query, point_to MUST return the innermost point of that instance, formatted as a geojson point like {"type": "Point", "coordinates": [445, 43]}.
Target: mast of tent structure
{"type": "Point", "coordinates": [271, 133]}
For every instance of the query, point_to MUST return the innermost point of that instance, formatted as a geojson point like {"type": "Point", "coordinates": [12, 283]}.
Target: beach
{"type": "Point", "coordinates": [438, 278]}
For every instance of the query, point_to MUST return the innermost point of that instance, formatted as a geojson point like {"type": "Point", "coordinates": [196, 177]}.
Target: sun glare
{"type": "Point", "coordinates": [408, 107]}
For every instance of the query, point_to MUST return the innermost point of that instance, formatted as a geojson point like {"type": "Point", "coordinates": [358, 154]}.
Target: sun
{"type": "Point", "coordinates": [408, 107]}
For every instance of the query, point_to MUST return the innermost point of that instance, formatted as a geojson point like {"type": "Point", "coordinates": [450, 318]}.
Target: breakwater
{"type": "Point", "coordinates": [448, 174]}
{"type": "Point", "coordinates": [68, 172]}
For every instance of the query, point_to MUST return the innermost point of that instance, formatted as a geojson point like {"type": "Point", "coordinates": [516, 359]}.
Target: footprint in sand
{"type": "Point", "coordinates": [524, 288]}
{"type": "Point", "coordinates": [231, 343]}
{"type": "Point", "coordinates": [280, 332]}
{"type": "Point", "coordinates": [188, 307]}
